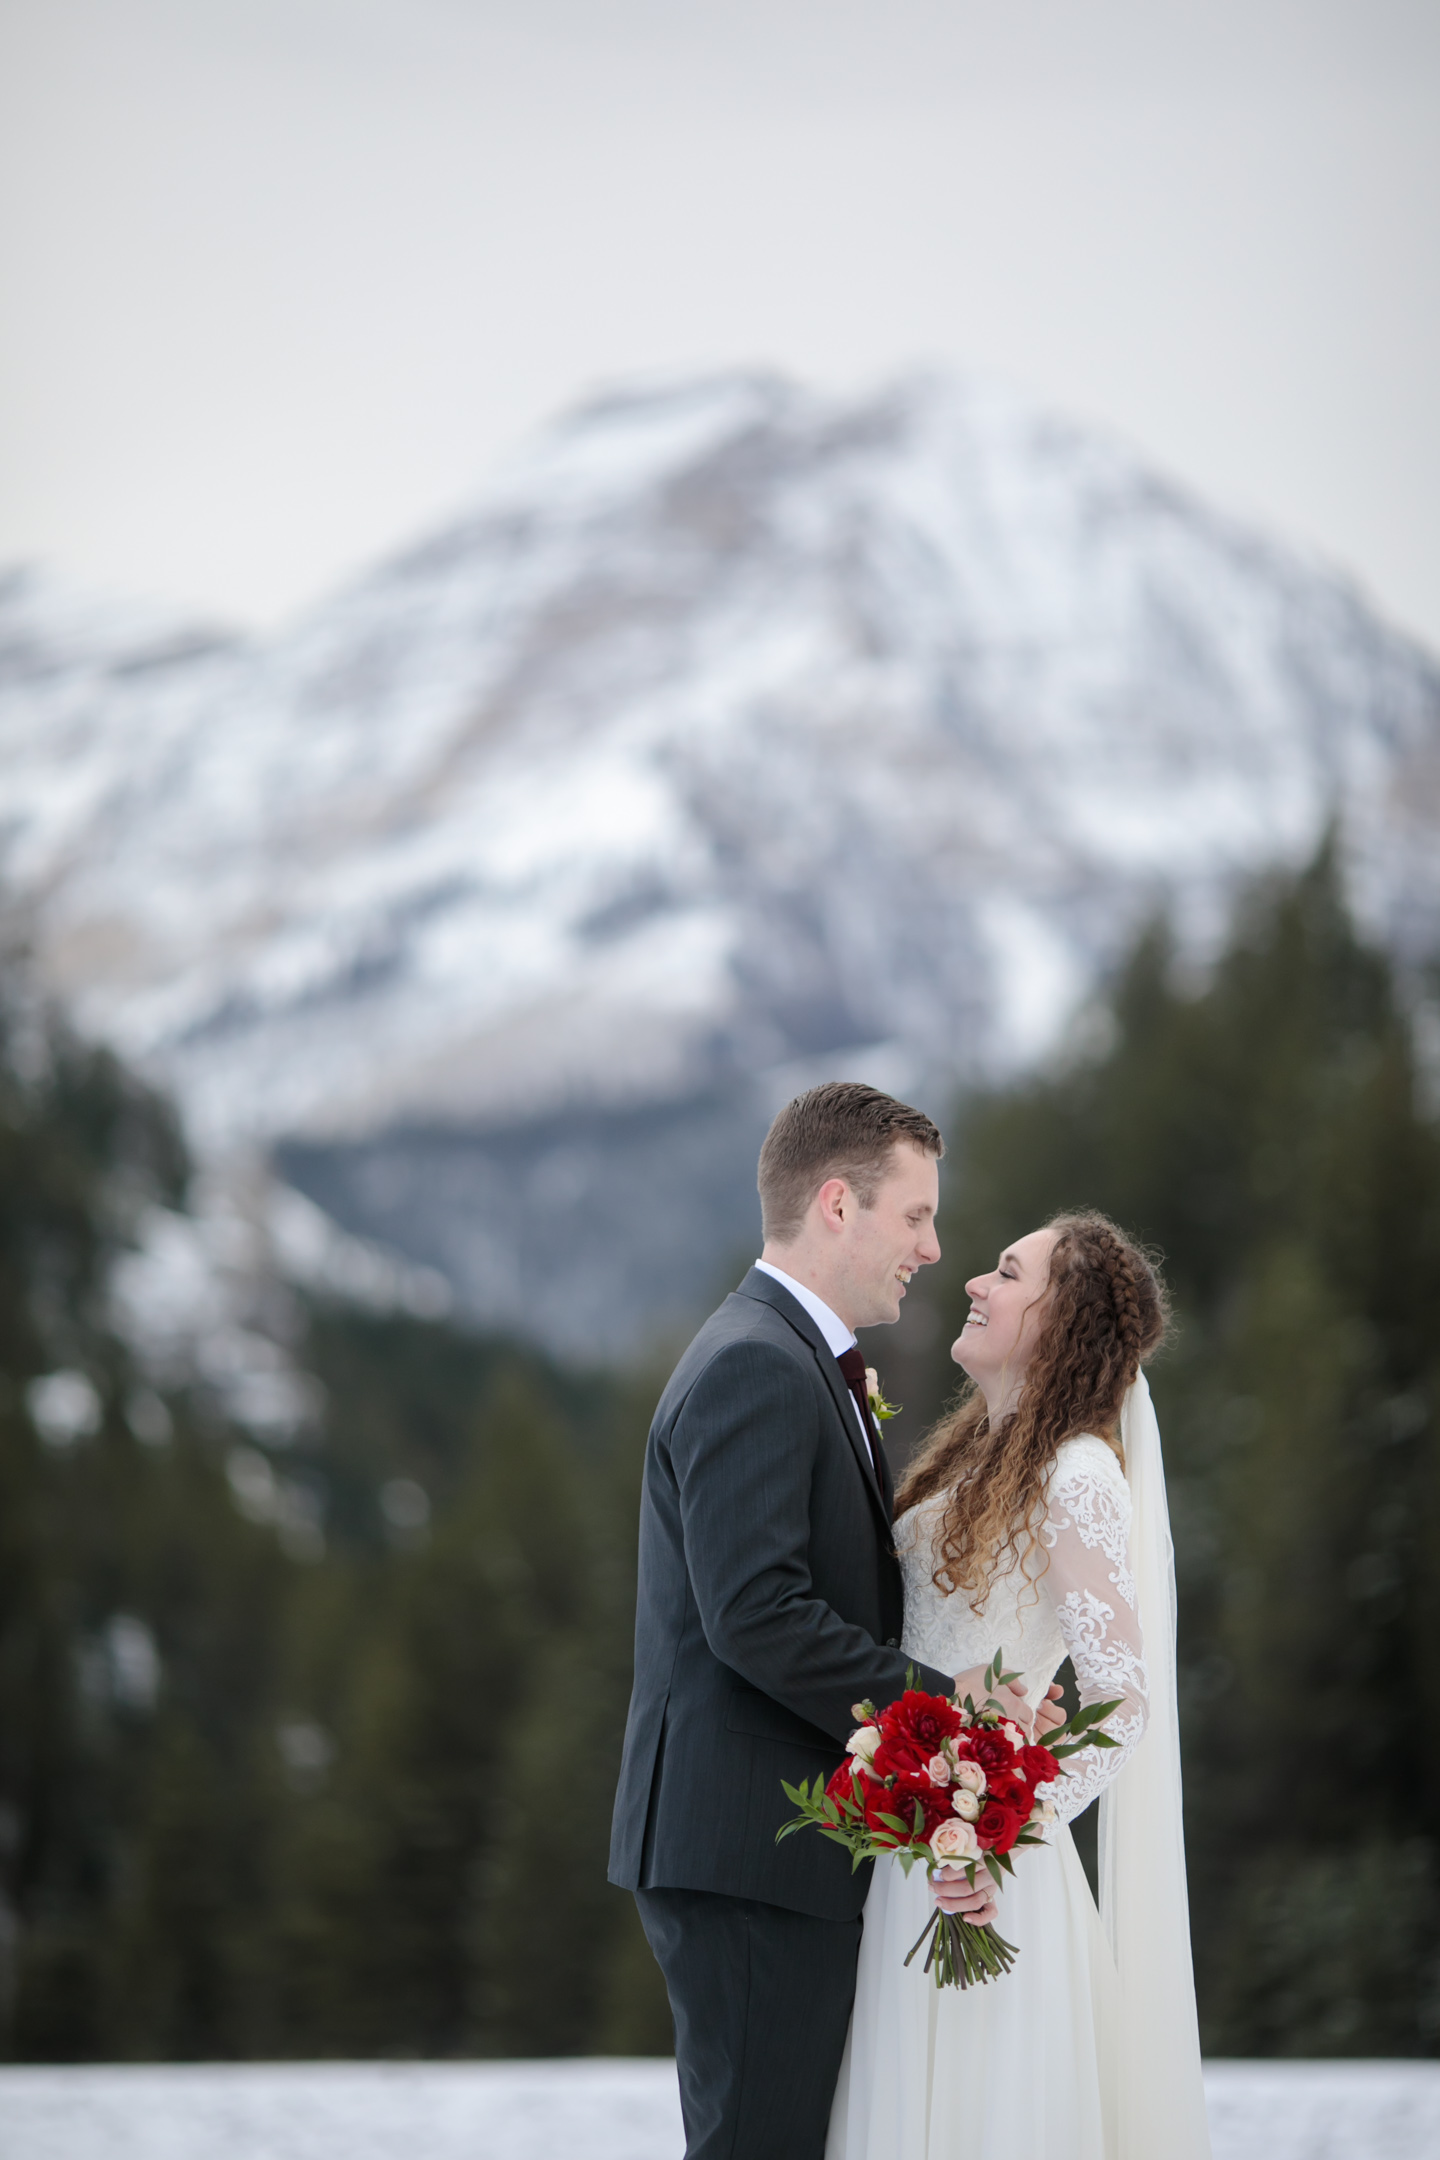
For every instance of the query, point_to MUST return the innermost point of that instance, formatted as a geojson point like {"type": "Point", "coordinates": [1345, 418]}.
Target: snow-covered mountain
{"type": "Point", "coordinates": [738, 736]}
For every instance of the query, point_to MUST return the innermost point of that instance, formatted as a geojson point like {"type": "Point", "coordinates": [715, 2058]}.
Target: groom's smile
{"type": "Point", "coordinates": [885, 1243]}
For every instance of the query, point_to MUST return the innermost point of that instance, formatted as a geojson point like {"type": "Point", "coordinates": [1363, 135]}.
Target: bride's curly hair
{"type": "Point", "coordinates": [1107, 1311]}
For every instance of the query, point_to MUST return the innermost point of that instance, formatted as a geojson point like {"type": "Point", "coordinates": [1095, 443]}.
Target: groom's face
{"type": "Point", "coordinates": [885, 1243]}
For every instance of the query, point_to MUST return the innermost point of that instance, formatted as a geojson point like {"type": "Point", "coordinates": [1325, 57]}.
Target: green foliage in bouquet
{"type": "Point", "coordinates": [911, 1789]}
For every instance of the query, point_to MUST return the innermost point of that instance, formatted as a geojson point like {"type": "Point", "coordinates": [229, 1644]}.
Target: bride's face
{"type": "Point", "coordinates": [1007, 1312]}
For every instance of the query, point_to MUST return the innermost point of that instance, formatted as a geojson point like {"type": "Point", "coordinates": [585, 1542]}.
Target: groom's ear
{"type": "Point", "coordinates": [836, 1203]}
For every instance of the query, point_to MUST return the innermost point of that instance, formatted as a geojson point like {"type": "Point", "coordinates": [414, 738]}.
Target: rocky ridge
{"type": "Point", "coordinates": [739, 735]}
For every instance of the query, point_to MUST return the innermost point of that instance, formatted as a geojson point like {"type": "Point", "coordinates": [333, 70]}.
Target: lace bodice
{"type": "Point", "coordinates": [1075, 1594]}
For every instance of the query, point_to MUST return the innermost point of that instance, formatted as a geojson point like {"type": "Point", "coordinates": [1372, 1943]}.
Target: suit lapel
{"type": "Point", "coordinates": [759, 1285]}
{"type": "Point", "coordinates": [878, 1465]}
{"type": "Point", "coordinates": [887, 1482]}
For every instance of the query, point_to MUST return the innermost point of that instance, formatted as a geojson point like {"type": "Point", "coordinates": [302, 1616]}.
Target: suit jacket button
{"type": "Point", "coordinates": [892, 1642]}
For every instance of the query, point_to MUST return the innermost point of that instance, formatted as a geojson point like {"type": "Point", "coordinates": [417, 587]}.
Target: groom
{"type": "Point", "coordinates": [769, 1602]}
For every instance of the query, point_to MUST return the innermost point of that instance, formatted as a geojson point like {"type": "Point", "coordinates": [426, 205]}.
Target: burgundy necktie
{"type": "Point", "coordinates": [852, 1365]}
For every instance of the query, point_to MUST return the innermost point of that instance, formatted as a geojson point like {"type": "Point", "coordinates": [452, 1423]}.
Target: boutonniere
{"type": "Point", "coordinates": [879, 1408]}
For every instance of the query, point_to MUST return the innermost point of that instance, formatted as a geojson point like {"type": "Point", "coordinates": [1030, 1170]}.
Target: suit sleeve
{"type": "Point", "coordinates": [743, 1451]}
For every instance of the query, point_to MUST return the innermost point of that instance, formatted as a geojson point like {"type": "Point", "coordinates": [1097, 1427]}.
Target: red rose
{"type": "Point", "coordinates": [844, 1785]}
{"type": "Point", "coordinates": [1007, 1786]}
{"type": "Point", "coordinates": [912, 1730]}
{"type": "Point", "coordinates": [880, 1800]}
{"type": "Point", "coordinates": [898, 1758]}
{"type": "Point", "coordinates": [1039, 1765]}
{"type": "Point", "coordinates": [998, 1826]}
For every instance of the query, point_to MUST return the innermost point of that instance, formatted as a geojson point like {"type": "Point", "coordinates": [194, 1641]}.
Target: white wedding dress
{"type": "Point", "coordinates": [1036, 2066]}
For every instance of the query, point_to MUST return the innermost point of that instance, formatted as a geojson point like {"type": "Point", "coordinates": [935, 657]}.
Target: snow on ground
{"type": "Point", "coordinates": [1324, 2111]}
{"type": "Point", "coordinates": [607, 2110]}
{"type": "Point", "coordinates": [342, 2111]}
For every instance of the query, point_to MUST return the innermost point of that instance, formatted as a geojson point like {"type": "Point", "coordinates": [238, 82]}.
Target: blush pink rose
{"type": "Point", "coordinates": [954, 1842]}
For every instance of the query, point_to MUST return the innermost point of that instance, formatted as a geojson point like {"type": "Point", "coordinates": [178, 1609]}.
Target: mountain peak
{"type": "Point", "coordinates": [739, 730]}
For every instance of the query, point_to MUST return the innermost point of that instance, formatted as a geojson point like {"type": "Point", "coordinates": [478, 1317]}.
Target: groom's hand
{"type": "Point", "coordinates": [953, 1894]}
{"type": "Point", "coordinates": [1049, 1714]}
{"type": "Point", "coordinates": [1011, 1699]}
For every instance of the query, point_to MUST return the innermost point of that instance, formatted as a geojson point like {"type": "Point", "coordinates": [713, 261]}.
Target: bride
{"type": "Point", "coordinates": [1034, 1521]}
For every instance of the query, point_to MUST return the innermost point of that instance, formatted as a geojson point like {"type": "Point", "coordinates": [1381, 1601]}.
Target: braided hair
{"type": "Point", "coordinates": [1105, 1312]}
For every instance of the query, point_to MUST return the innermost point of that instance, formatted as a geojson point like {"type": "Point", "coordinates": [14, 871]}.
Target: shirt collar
{"type": "Point", "coordinates": [832, 1327]}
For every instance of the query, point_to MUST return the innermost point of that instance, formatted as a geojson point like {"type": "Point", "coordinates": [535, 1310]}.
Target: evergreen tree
{"type": "Point", "coordinates": [137, 1611]}
{"type": "Point", "coordinates": [1268, 1133]}
{"type": "Point", "coordinates": [253, 1804]}
{"type": "Point", "coordinates": [257, 1805]}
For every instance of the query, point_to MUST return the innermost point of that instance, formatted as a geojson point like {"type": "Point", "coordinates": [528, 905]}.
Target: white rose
{"type": "Point", "coordinates": [971, 1776]}
{"type": "Point", "coordinates": [863, 1743]}
{"type": "Point", "coordinates": [1013, 1734]}
{"type": "Point", "coordinates": [872, 1380]}
{"type": "Point", "coordinates": [938, 1770]}
{"type": "Point", "coordinates": [954, 1842]}
{"type": "Point", "coordinates": [1043, 1812]}
{"type": "Point", "coordinates": [966, 1804]}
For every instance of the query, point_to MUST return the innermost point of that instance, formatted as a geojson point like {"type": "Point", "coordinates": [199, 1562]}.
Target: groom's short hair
{"type": "Point", "coordinates": [840, 1130]}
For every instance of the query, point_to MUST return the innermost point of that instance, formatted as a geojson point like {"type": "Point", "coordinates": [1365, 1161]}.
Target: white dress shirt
{"type": "Point", "coordinates": [832, 1327]}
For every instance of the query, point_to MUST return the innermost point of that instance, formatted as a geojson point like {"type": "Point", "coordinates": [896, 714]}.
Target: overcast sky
{"type": "Point", "coordinates": [281, 278]}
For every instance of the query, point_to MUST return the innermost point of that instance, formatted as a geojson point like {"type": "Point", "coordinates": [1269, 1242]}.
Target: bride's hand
{"type": "Point", "coordinates": [953, 1894]}
{"type": "Point", "coordinates": [1011, 1699]}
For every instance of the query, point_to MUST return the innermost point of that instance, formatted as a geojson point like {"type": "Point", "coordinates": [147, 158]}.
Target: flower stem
{"type": "Point", "coordinates": [961, 1955]}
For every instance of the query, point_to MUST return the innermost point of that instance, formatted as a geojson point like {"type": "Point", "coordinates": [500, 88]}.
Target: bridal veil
{"type": "Point", "coordinates": [1160, 2096]}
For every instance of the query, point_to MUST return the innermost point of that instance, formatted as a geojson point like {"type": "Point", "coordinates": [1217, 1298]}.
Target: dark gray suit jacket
{"type": "Point", "coordinates": [769, 1601]}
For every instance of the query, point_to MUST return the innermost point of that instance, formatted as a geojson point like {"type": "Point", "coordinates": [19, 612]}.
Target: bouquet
{"type": "Point", "coordinates": [956, 1786]}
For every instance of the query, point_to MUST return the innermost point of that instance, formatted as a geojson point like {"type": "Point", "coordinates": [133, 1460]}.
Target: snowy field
{"type": "Point", "coordinates": [601, 2110]}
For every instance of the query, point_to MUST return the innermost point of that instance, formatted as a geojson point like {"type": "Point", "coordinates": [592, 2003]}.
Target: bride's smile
{"type": "Point", "coordinates": [1007, 1308]}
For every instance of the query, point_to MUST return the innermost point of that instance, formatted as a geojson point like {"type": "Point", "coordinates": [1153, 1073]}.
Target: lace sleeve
{"type": "Point", "coordinates": [1089, 1580]}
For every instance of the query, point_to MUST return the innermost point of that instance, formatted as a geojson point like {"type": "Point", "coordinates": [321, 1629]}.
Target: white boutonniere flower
{"type": "Point", "coordinates": [879, 1408]}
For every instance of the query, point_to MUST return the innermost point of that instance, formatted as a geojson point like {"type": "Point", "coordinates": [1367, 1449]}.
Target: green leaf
{"type": "Point", "coordinates": [1092, 1713]}
{"type": "Point", "coordinates": [1067, 1748]}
